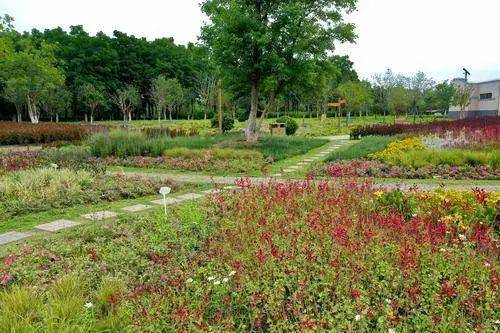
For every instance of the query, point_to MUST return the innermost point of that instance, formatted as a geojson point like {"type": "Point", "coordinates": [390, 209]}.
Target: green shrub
{"type": "Point", "coordinates": [278, 148]}
{"type": "Point", "coordinates": [366, 146]}
{"type": "Point", "coordinates": [451, 157]}
{"type": "Point", "coordinates": [291, 124]}
{"type": "Point", "coordinates": [183, 152]}
{"type": "Point", "coordinates": [227, 123]}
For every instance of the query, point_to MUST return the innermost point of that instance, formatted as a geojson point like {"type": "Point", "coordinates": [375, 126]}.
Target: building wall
{"type": "Point", "coordinates": [480, 107]}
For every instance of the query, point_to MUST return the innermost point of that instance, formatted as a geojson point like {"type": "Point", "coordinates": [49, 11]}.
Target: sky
{"type": "Point", "coordinates": [439, 37]}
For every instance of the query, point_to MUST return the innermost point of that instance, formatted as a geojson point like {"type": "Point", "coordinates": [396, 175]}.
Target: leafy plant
{"type": "Point", "coordinates": [291, 124]}
{"type": "Point", "coordinates": [227, 123]}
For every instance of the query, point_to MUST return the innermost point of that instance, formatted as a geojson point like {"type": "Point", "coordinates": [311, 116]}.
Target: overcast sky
{"type": "Point", "coordinates": [438, 37]}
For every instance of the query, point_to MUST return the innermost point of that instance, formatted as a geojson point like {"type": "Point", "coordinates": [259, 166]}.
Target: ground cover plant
{"type": "Point", "coordinates": [12, 133]}
{"type": "Point", "coordinates": [294, 256]}
{"type": "Point", "coordinates": [361, 148]}
{"type": "Point", "coordinates": [42, 189]}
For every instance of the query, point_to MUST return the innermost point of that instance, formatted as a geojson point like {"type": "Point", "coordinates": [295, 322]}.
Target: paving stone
{"type": "Point", "coordinates": [212, 191]}
{"type": "Point", "coordinates": [168, 201]}
{"type": "Point", "coordinates": [99, 216]}
{"type": "Point", "coordinates": [302, 163]}
{"type": "Point", "coordinates": [232, 187]}
{"type": "Point", "coordinates": [12, 236]}
{"type": "Point", "coordinates": [57, 225]}
{"type": "Point", "coordinates": [190, 196]}
{"type": "Point", "coordinates": [137, 208]}
{"type": "Point", "coordinates": [294, 167]}
{"type": "Point", "coordinates": [277, 175]}
{"type": "Point", "coordinates": [310, 159]}
{"type": "Point", "coordinates": [289, 170]}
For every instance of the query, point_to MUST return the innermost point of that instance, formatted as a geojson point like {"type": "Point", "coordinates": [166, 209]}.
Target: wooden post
{"type": "Point", "coordinates": [219, 104]}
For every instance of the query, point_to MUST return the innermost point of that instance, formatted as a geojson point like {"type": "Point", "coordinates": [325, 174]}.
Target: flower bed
{"type": "Point", "coordinates": [361, 167]}
{"type": "Point", "coordinates": [295, 256]}
{"type": "Point", "coordinates": [36, 190]}
{"type": "Point", "coordinates": [12, 133]}
{"type": "Point", "coordinates": [481, 129]}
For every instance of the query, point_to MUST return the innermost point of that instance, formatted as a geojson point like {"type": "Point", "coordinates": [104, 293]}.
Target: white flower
{"type": "Point", "coordinates": [462, 237]}
{"type": "Point", "coordinates": [210, 278]}
{"type": "Point", "coordinates": [224, 280]}
{"type": "Point", "coordinates": [391, 330]}
{"type": "Point", "coordinates": [357, 318]}
{"type": "Point", "coordinates": [189, 280]}
{"type": "Point", "coordinates": [216, 283]}
{"type": "Point", "coordinates": [232, 273]}
{"type": "Point", "coordinates": [487, 264]}
{"type": "Point", "coordinates": [388, 301]}
{"type": "Point", "coordinates": [88, 305]}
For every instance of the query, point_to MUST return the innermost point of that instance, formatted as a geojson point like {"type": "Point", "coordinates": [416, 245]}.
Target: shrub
{"type": "Point", "coordinates": [291, 124]}
{"type": "Point", "coordinates": [227, 123]}
{"type": "Point", "coordinates": [277, 148]}
{"type": "Point", "coordinates": [154, 132]}
{"type": "Point", "coordinates": [484, 129]}
{"type": "Point", "coordinates": [12, 133]}
{"type": "Point", "coordinates": [368, 145]}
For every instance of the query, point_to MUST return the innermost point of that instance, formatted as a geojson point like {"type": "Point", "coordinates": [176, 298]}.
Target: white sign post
{"type": "Point", "coordinates": [164, 191]}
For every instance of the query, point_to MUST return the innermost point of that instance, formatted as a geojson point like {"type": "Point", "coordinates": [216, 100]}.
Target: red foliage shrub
{"type": "Point", "coordinates": [12, 133]}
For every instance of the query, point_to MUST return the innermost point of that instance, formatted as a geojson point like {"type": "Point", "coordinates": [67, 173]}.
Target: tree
{"type": "Point", "coordinates": [92, 98]}
{"type": "Point", "coordinates": [263, 46]}
{"type": "Point", "coordinates": [126, 100]}
{"type": "Point", "coordinates": [16, 93]}
{"type": "Point", "coordinates": [419, 87]}
{"type": "Point", "coordinates": [357, 94]}
{"type": "Point", "coordinates": [206, 91]}
{"type": "Point", "coordinates": [31, 72]}
{"type": "Point", "coordinates": [54, 101]}
{"type": "Point", "coordinates": [159, 95]}
{"type": "Point", "coordinates": [462, 97]}
{"type": "Point", "coordinates": [442, 96]}
{"type": "Point", "coordinates": [399, 100]}
{"type": "Point", "coordinates": [6, 23]}
{"type": "Point", "coordinates": [174, 95]}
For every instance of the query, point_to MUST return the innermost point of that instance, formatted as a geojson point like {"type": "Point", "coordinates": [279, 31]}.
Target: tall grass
{"type": "Point", "coordinates": [130, 143]}
{"type": "Point", "coordinates": [362, 148]}
{"type": "Point", "coordinates": [123, 144]}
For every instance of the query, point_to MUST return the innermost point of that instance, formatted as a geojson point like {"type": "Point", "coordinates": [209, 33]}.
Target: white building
{"type": "Point", "coordinates": [485, 100]}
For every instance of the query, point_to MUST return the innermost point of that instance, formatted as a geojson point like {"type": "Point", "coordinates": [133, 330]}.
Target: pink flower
{"type": "Point", "coordinates": [10, 260]}
{"type": "Point", "coordinates": [6, 279]}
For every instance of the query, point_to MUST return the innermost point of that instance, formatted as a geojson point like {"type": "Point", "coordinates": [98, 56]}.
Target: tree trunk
{"type": "Point", "coordinates": [250, 131]}
{"type": "Point", "coordinates": [57, 117]}
{"type": "Point", "coordinates": [170, 113]}
{"type": "Point", "coordinates": [32, 111]}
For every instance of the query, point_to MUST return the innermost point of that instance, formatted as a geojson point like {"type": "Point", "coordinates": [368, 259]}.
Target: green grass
{"type": "Point", "coordinates": [362, 148]}
{"type": "Point", "coordinates": [27, 222]}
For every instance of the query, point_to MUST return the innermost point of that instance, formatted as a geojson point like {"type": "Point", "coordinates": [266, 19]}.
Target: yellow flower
{"type": "Point", "coordinates": [379, 194]}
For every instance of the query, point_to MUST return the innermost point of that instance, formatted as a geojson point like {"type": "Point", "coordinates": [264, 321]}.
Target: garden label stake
{"type": "Point", "coordinates": [164, 191]}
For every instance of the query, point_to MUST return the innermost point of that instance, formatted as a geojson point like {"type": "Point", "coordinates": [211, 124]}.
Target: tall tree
{"type": "Point", "coordinates": [31, 72]}
{"type": "Point", "coordinates": [127, 99]}
{"type": "Point", "coordinates": [357, 94]}
{"type": "Point", "coordinates": [92, 98]}
{"type": "Point", "coordinates": [174, 95]}
{"type": "Point", "coordinates": [442, 96]}
{"type": "Point", "coordinates": [54, 101]}
{"type": "Point", "coordinates": [262, 46]}
{"type": "Point", "coordinates": [206, 91]}
{"type": "Point", "coordinates": [399, 100]}
{"type": "Point", "coordinates": [159, 95]}
{"type": "Point", "coordinates": [419, 86]}
{"type": "Point", "coordinates": [462, 97]}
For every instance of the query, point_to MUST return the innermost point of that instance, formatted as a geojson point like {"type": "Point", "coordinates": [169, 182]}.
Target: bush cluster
{"type": "Point", "coordinates": [227, 123]}
{"type": "Point", "coordinates": [172, 132]}
{"type": "Point", "coordinates": [291, 124]}
{"type": "Point", "coordinates": [12, 133]}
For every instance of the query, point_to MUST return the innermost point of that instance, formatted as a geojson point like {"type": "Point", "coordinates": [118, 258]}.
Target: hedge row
{"type": "Point", "coordinates": [12, 133]}
{"type": "Point", "coordinates": [468, 124]}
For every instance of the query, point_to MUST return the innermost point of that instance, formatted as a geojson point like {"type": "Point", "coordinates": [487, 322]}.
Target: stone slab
{"type": "Point", "coordinates": [212, 191]}
{"type": "Point", "coordinates": [310, 159]}
{"type": "Point", "coordinates": [137, 208]}
{"type": "Point", "coordinates": [12, 236]}
{"type": "Point", "coordinates": [99, 216]}
{"type": "Point", "coordinates": [168, 201]}
{"type": "Point", "coordinates": [57, 225]}
{"type": "Point", "coordinates": [289, 170]}
{"type": "Point", "coordinates": [294, 167]}
{"type": "Point", "coordinates": [302, 163]}
{"type": "Point", "coordinates": [232, 187]}
{"type": "Point", "coordinates": [190, 196]}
